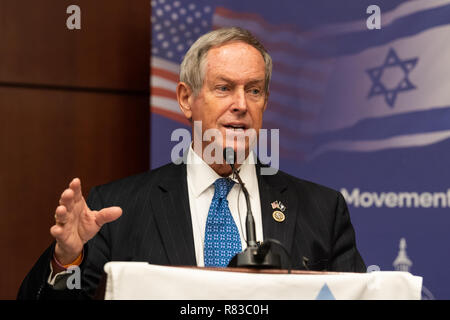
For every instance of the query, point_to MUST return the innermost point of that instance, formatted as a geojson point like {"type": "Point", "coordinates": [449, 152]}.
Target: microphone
{"type": "Point", "coordinates": [230, 158]}
{"type": "Point", "coordinates": [255, 255]}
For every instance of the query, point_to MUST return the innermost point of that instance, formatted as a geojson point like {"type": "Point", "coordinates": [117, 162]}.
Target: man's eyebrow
{"type": "Point", "coordinates": [256, 81]}
{"type": "Point", "coordinates": [224, 79]}
{"type": "Point", "coordinates": [232, 81]}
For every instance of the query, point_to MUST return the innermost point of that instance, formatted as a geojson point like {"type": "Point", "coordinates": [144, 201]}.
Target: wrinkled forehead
{"type": "Point", "coordinates": [235, 60]}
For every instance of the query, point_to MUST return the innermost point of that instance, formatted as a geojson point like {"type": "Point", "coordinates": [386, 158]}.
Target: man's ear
{"type": "Point", "coordinates": [185, 98]}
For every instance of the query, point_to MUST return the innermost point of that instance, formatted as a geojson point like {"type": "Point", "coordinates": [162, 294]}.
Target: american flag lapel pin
{"type": "Point", "coordinates": [278, 215]}
{"type": "Point", "coordinates": [274, 205]}
{"type": "Point", "coordinates": [277, 204]}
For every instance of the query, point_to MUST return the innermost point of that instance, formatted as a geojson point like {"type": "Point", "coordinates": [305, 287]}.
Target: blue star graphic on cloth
{"type": "Point", "coordinates": [392, 61]}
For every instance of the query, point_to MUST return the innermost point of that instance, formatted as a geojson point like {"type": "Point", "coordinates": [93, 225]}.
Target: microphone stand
{"type": "Point", "coordinates": [259, 256]}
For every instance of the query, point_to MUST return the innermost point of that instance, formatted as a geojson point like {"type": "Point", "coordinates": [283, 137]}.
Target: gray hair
{"type": "Point", "coordinates": [192, 69]}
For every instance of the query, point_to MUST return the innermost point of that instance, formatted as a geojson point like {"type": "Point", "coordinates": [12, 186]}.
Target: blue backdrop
{"type": "Point", "coordinates": [366, 112]}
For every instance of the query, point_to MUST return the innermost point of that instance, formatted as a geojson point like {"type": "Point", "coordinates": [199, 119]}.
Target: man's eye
{"type": "Point", "coordinates": [255, 91]}
{"type": "Point", "coordinates": [222, 88]}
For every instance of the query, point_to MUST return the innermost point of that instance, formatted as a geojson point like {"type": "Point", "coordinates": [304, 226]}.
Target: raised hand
{"type": "Point", "coordinates": [75, 223]}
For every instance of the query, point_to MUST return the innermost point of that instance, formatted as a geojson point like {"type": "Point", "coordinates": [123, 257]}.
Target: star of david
{"type": "Point", "coordinates": [375, 74]}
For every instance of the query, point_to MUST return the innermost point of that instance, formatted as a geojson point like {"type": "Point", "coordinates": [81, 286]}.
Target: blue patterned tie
{"type": "Point", "coordinates": [222, 240]}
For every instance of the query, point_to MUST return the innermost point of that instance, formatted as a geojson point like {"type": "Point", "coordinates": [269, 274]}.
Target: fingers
{"type": "Point", "coordinates": [67, 199]}
{"type": "Point", "coordinates": [61, 215]}
{"type": "Point", "coordinates": [61, 218]}
{"type": "Point", "coordinates": [67, 219]}
{"type": "Point", "coordinates": [57, 232]}
{"type": "Point", "coordinates": [71, 195]}
{"type": "Point", "coordinates": [75, 186]}
{"type": "Point", "coordinates": [107, 215]}
{"type": "Point", "coordinates": [67, 203]}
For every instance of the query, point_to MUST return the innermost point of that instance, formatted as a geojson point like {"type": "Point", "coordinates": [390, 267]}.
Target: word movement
{"type": "Point", "coordinates": [367, 199]}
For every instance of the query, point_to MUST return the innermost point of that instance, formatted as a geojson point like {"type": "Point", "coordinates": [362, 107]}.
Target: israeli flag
{"type": "Point", "coordinates": [390, 88]}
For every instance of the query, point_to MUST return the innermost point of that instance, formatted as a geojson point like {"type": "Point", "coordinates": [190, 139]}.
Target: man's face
{"type": "Point", "coordinates": [232, 98]}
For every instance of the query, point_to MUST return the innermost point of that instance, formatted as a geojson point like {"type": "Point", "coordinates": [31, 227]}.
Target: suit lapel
{"type": "Point", "coordinates": [273, 188]}
{"type": "Point", "coordinates": [172, 214]}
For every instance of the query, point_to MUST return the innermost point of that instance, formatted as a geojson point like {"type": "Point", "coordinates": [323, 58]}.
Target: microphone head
{"type": "Point", "coordinates": [229, 155]}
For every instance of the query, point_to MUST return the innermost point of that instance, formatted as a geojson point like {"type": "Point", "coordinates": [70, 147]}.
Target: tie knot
{"type": "Point", "coordinates": [222, 187]}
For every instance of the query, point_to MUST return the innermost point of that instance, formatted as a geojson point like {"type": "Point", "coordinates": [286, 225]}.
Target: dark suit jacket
{"type": "Point", "coordinates": [156, 227]}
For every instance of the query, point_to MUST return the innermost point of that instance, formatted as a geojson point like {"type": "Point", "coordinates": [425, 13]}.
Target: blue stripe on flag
{"type": "Point", "coordinates": [352, 43]}
{"type": "Point", "coordinates": [433, 120]}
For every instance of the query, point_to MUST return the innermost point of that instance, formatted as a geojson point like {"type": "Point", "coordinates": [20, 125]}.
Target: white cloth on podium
{"type": "Point", "coordinates": [143, 281]}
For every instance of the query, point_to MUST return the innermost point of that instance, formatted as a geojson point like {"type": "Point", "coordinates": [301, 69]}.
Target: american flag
{"type": "Point", "coordinates": [298, 79]}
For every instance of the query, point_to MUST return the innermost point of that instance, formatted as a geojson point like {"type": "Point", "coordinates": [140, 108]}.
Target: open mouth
{"type": "Point", "coordinates": [235, 127]}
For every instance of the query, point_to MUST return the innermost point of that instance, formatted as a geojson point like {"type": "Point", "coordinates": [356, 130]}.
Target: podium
{"type": "Point", "coordinates": [143, 281]}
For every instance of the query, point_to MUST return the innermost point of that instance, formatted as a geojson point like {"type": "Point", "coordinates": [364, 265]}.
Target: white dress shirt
{"type": "Point", "coordinates": [200, 180]}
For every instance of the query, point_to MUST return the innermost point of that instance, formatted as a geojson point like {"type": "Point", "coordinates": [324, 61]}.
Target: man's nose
{"type": "Point", "coordinates": [240, 101]}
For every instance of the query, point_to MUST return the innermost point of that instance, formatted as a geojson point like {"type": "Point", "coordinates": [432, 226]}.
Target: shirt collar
{"type": "Point", "coordinates": [202, 176]}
